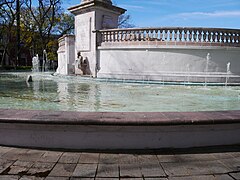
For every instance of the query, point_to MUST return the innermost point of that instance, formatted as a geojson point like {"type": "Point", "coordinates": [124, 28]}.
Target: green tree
{"type": "Point", "coordinates": [65, 24]}
{"type": "Point", "coordinates": [8, 30]}
{"type": "Point", "coordinates": [43, 18]}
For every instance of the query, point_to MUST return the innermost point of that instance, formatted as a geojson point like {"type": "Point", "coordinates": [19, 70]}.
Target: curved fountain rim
{"type": "Point", "coordinates": [119, 118]}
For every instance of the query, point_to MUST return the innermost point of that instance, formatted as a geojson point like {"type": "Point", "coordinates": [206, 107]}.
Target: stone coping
{"type": "Point", "coordinates": [119, 118]}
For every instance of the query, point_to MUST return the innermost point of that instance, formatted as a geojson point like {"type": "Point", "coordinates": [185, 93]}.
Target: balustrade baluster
{"type": "Point", "coordinates": [231, 37]}
{"type": "Point", "coordinates": [146, 35]}
{"type": "Point", "coordinates": [234, 38]}
{"type": "Point", "coordinates": [119, 36]}
{"type": "Point", "coordinates": [150, 35]}
{"type": "Point", "coordinates": [156, 35]}
{"type": "Point", "coordinates": [218, 36]}
{"type": "Point", "coordinates": [106, 36]}
{"type": "Point", "coordinates": [170, 34]}
{"type": "Point", "coordinates": [114, 36]}
{"type": "Point", "coordinates": [190, 35]}
{"type": "Point", "coordinates": [161, 35]}
{"type": "Point", "coordinates": [204, 36]}
{"type": "Point", "coordinates": [185, 35]}
{"type": "Point", "coordinates": [103, 36]}
{"type": "Point", "coordinates": [132, 35]}
{"type": "Point", "coordinates": [165, 35]}
{"type": "Point", "coordinates": [210, 36]}
{"type": "Point", "coordinates": [238, 38]}
{"type": "Point", "coordinates": [227, 37]}
{"type": "Point", "coordinates": [180, 35]}
{"type": "Point", "coordinates": [224, 37]}
{"type": "Point", "coordinates": [214, 37]}
{"type": "Point", "coordinates": [109, 36]}
{"type": "Point", "coordinates": [175, 35]}
{"type": "Point", "coordinates": [195, 36]}
{"type": "Point", "coordinates": [199, 36]}
{"type": "Point", "coordinates": [221, 37]}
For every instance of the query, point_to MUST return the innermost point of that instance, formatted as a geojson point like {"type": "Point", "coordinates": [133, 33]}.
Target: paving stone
{"type": "Point", "coordinates": [15, 154]}
{"type": "Point", "coordinates": [194, 168]}
{"type": "Point", "coordinates": [20, 167]}
{"type": "Point", "coordinates": [56, 178]}
{"type": "Point", "coordinates": [167, 158]}
{"type": "Point", "coordinates": [88, 158]}
{"type": "Point", "coordinates": [71, 158]}
{"type": "Point", "coordinates": [155, 178]}
{"type": "Point", "coordinates": [236, 175]}
{"type": "Point", "coordinates": [130, 170]}
{"type": "Point", "coordinates": [63, 170]}
{"type": "Point", "coordinates": [232, 163]}
{"type": "Point", "coordinates": [145, 159]}
{"type": "Point", "coordinates": [131, 179]}
{"type": "Point", "coordinates": [4, 150]}
{"type": "Point", "coordinates": [31, 155]}
{"type": "Point", "coordinates": [85, 170]}
{"type": "Point", "coordinates": [194, 157]}
{"type": "Point", "coordinates": [108, 171]}
{"type": "Point", "coordinates": [5, 164]}
{"type": "Point", "coordinates": [31, 178]}
{"type": "Point", "coordinates": [77, 178]}
{"type": "Point", "coordinates": [152, 170]}
{"type": "Point", "coordinates": [50, 156]}
{"type": "Point", "coordinates": [128, 159]}
{"type": "Point", "coordinates": [108, 158]}
{"type": "Point", "coordinates": [106, 179]}
{"type": "Point", "coordinates": [202, 177]}
{"type": "Point", "coordinates": [9, 177]}
{"type": "Point", "coordinates": [40, 169]}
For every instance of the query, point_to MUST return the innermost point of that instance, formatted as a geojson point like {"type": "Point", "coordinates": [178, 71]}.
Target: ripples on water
{"type": "Point", "coordinates": [48, 92]}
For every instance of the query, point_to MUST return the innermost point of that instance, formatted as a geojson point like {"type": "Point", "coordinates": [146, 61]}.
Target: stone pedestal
{"type": "Point", "coordinates": [66, 55]}
{"type": "Point", "coordinates": [93, 15]}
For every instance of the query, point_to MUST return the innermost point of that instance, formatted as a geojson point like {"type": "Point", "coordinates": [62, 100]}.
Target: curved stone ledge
{"type": "Point", "coordinates": [114, 131]}
{"type": "Point", "coordinates": [119, 118]}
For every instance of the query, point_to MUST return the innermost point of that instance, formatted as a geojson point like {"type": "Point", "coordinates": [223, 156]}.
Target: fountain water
{"type": "Point", "coordinates": [35, 64]}
{"type": "Point", "coordinates": [45, 61]}
{"type": "Point", "coordinates": [208, 58]}
{"type": "Point", "coordinates": [228, 73]}
{"type": "Point", "coordinates": [188, 73]}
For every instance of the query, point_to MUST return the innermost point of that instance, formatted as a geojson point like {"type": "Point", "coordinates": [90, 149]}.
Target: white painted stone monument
{"type": "Point", "coordinates": [90, 15]}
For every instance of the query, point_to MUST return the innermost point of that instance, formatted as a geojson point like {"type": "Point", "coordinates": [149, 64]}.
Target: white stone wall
{"type": "Point", "coordinates": [168, 63]}
{"type": "Point", "coordinates": [85, 38]}
{"type": "Point", "coordinates": [66, 55]}
{"type": "Point", "coordinates": [85, 24]}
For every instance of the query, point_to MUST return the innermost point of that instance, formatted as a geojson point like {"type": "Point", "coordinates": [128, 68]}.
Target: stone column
{"type": "Point", "coordinates": [93, 15]}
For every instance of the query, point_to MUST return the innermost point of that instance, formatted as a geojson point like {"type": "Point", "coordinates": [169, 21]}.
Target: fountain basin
{"type": "Point", "coordinates": [60, 127]}
{"type": "Point", "coordinates": [102, 131]}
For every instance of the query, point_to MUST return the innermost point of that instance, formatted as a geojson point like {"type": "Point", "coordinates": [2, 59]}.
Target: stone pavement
{"type": "Point", "coordinates": [219, 163]}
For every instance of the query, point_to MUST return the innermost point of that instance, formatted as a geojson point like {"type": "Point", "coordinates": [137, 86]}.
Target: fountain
{"type": "Point", "coordinates": [228, 73]}
{"type": "Point", "coordinates": [45, 64]}
{"type": "Point", "coordinates": [35, 64]}
{"type": "Point", "coordinates": [99, 114]}
{"type": "Point", "coordinates": [188, 73]}
{"type": "Point", "coordinates": [208, 58]}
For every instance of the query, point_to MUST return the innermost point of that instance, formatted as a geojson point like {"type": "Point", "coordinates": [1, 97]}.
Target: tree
{"type": "Point", "coordinates": [124, 21]}
{"type": "Point", "coordinates": [8, 17]}
{"type": "Point", "coordinates": [43, 19]}
{"type": "Point", "coordinates": [65, 24]}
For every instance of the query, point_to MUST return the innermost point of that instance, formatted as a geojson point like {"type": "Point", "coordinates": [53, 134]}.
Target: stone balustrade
{"type": "Point", "coordinates": [174, 35]}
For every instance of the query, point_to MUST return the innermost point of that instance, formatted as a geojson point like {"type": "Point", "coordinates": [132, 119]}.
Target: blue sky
{"type": "Point", "coordinates": [187, 13]}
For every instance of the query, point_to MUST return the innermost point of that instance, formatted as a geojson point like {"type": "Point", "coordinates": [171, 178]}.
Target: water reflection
{"type": "Point", "coordinates": [76, 94]}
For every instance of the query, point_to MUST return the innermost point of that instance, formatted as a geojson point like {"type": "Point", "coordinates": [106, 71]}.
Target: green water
{"type": "Point", "coordinates": [48, 92]}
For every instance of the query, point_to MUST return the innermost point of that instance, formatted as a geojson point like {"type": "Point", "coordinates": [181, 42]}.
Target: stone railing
{"type": "Point", "coordinates": [174, 35]}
